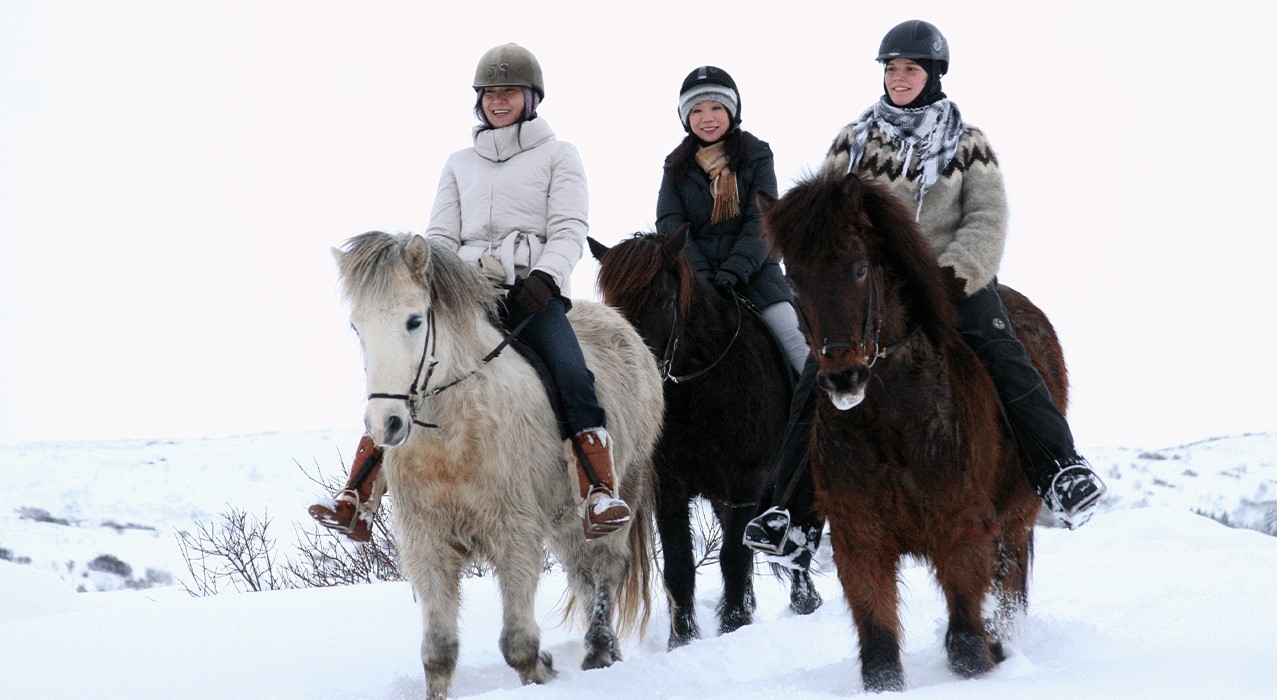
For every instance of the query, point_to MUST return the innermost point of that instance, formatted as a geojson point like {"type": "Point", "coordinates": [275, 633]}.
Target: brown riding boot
{"type": "Point", "coordinates": [351, 511]}
{"type": "Point", "coordinates": [601, 512]}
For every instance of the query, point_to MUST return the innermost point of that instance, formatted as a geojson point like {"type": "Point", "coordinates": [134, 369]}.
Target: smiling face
{"type": "Point", "coordinates": [904, 80]}
{"type": "Point", "coordinates": [503, 105]}
{"type": "Point", "coordinates": [709, 120]}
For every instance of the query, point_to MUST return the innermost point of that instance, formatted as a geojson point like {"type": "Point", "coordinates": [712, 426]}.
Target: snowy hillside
{"type": "Point", "coordinates": [66, 504]}
{"type": "Point", "coordinates": [1148, 600]}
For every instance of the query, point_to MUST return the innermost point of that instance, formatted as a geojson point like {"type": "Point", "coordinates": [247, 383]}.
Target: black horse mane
{"type": "Point", "coordinates": [633, 264]}
{"type": "Point", "coordinates": [819, 214]}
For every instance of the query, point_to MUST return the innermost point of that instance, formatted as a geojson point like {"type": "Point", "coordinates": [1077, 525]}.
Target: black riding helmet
{"type": "Point", "coordinates": [708, 83]}
{"type": "Point", "coordinates": [923, 44]}
{"type": "Point", "coordinates": [916, 39]}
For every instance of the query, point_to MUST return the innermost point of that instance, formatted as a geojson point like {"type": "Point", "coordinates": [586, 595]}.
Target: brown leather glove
{"type": "Point", "coordinates": [533, 293]}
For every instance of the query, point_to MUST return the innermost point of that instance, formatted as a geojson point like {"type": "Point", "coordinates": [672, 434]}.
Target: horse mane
{"type": "Point", "coordinates": [373, 265]}
{"type": "Point", "coordinates": [816, 215]}
{"type": "Point", "coordinates": [627, 270]}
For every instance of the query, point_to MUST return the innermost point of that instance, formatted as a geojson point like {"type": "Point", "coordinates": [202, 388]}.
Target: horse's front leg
{"type": "Point", "coordinates": [868, 573]}
{"type": "Point", "coordinates": [736, 564]}
{"type": "Point", "coordinates": [673, 522]}
{"type": "Point", "coordinates": [437, 582]}
{"type": "Point", "coordinates": [965, 573]}
{"type": "Point", "coordinates": [518, 569]}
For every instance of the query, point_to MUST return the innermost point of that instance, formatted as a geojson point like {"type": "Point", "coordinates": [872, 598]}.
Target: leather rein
{"type": "Point", "coordinates": [666, 363]}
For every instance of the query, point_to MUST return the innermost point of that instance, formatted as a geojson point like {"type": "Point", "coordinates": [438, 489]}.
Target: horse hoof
{"type": "Point", "coordinates": [969, 655]}
{"type": "Point", "coordinates": [600, 658]}
{"type": "Point", "coordinates": [804, 599]}
{"type": "Point", "coordinates": [806, 603]}
{"type": "Point", "coordinates": [541, 672]}
{"type": "Point", "coordinates": [733, 620]}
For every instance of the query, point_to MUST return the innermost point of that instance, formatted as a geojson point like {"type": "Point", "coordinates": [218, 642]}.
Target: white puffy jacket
{"type": "Point", "coordinates": [519, 195]}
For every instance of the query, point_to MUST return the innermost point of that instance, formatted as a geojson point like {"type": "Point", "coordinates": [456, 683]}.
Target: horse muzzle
{"type": "Point", "coordinates": [387, 423]}
{"type": "Point", "coordinates": [846, 388]}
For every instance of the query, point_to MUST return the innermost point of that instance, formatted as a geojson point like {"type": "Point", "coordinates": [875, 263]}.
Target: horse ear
{"type": "Point", "coordinates": [765, 202]}
{"type": "Point", "coordinates": [853, 187]}
{"type": "Point", "coordinates": [417, 254]}
{"type": "Point", "coordinates": [673, 245]}
{"type": "Point", "coordinates": [596, 249]}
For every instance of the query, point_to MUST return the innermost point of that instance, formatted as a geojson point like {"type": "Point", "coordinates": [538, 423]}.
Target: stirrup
{"type": "Point", "coordinates": [599, 528]}
{"type": "Point", "coordinates": [327, 513]}
{"type": "Point", "coordinates": [768, 533]}
{"type": "Point", "coordinates": [1075, 490]}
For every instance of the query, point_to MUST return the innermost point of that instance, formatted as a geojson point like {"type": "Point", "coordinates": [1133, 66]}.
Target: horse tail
{"type": "Point", "coordinates": [634, 598]}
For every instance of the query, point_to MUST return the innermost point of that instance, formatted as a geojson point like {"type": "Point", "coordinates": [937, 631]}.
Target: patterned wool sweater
{"type": "Point", "coordinates": [964, 215]}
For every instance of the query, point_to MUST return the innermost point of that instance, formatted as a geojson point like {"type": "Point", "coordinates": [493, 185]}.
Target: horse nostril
{"type": "Point", "coordinates": [394, 424]}
{"type": "Point", "coordinates": [844, 381]}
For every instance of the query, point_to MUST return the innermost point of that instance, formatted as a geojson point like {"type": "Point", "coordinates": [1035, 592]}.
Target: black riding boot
{"type": "Point", "coordinates": [791, 540]}
{"type": "Point", "coordinates": [1060, 476]}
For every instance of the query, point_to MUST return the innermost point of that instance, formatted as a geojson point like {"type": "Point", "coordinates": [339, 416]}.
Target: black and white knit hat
{"type": "Point", "coordinates": [708, 83]}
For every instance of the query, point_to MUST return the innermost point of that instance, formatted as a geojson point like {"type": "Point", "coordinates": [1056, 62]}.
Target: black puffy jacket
{"type": "Point", "coordinates": [736, 244]}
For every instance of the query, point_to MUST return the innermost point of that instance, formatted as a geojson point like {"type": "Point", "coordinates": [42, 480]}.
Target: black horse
{"type": "Point", "coordinates": [727, 391]}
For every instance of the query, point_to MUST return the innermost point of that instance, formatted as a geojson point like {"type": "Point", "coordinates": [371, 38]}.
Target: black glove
{"type": "Point", "coordinates": [725, 282]}
{"type": "Point", "coordinates": [954, 284]}
{"type": "Point", "coordinates": [532, 293]}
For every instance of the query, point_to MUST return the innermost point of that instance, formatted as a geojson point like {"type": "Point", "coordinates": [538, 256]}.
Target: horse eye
{"type": "Point", "coordinates": [667, 305]}
{"type": "Point", "coordinates": [861, 271]}
{"type": "Point", "coordinates": [414, 322]}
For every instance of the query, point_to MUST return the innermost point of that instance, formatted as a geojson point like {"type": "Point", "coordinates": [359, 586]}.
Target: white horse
{"type": "Point", "coordinates": [485, 474]}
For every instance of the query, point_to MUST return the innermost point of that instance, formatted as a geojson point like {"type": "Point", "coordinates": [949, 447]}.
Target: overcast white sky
{"type": "Point", "coordinates": [173, 174]}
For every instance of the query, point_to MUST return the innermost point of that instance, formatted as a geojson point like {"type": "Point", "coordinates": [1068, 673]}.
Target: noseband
{"type": "Point", "coordinates": [416, 396]}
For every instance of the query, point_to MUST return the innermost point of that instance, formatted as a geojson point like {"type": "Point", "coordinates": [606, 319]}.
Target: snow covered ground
{"type": "Point", "coordinates": [1151, 599]}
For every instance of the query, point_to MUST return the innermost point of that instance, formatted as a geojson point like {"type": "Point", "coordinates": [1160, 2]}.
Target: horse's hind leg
{"type": "Point", "coordinates": [601, 650]}
{"type": "Point", "coordinates": [596, 575]}
{"type": "Point", "coordinates": [1012, 558]}
{"type": "Point", "coordinates": [673, 522]}
{"type": "Point", "coordinates": [736, 564]}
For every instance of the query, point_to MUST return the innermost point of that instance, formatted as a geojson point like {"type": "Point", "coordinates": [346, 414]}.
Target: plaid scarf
{"type": "Point", "coordinates": [722, 182]}
{"type": "Point", "coordinates": [932, 131]}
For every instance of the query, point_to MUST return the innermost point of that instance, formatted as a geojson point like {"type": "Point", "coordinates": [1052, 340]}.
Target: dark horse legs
{"type": "Point", "coordinates": [736, 563]}
{"type": "Point", "coordinates": [736, 608]}
{"type": "Point", "coordinates": [673, 522]}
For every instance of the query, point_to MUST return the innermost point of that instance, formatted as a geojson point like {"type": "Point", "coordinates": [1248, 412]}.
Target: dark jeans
{"type": "Point", "coordinates": [1040, 429]}
{"type": "Point", "coordinates": [553, 339]}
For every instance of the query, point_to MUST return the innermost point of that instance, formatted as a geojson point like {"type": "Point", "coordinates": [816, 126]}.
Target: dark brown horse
{"type": "Point", "coordinates": [727, 390]}
{"type": "Point", "coordinates": [909, 452]}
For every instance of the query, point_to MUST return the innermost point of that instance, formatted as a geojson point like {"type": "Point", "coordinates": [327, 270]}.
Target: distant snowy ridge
{"type": "Point", "coordinates": [103, 515]}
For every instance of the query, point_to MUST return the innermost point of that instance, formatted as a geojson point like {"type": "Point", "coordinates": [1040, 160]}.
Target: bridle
{"type": "Point", "coordinates": [416, 396]}
{"type": "Point", "coordinates": [666, 363]}
{"type": "Point", "coordinates": [872, 329]}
